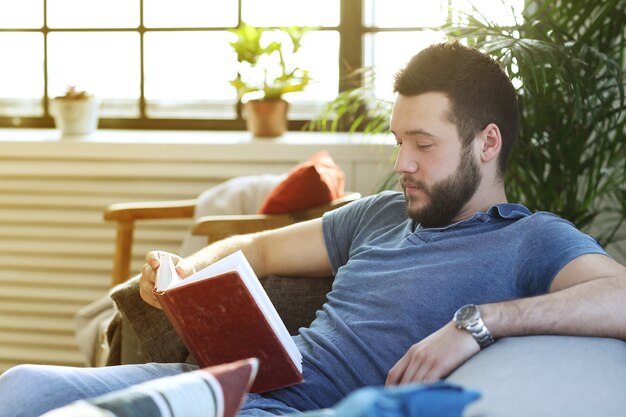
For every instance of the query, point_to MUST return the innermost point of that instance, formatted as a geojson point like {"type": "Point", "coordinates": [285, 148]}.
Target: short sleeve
{"type": "Point", "coordinates": [549, 243]}
{"type": "Point", "coordinates": [356, 223]}
{"type": "Point", "coordinates": [339, 227]}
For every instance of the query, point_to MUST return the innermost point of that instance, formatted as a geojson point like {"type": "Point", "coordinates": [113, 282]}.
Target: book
{"type": "Point", "coordinates": [223, 314]}
{"type": "Point", "coordinates": [216, 391]}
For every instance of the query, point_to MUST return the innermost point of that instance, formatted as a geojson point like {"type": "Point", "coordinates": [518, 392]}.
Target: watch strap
{"type": "Point", "coordinates": [482, 335]}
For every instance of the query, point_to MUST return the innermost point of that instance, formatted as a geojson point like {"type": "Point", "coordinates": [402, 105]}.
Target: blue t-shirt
{"type": "Point", "coordinates": [395, 284]}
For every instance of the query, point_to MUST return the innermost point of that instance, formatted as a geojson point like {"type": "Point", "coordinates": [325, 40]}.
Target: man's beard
{"type": "Point", "coordinates": [448, 196]}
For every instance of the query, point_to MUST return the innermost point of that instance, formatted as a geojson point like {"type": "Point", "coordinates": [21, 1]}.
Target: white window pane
{"type": "Point", "coordinates": [21, 75]}
{"type": "Point", "coordinates": [190, 13]}
{"type": "Point", "coordinates": [21, 14]}
{"type": "Point", "coordinates": [382, 53]}
{"type": "Point", "coordinates": [405, 13]}
{"type": "Point", "coordinates": [190, 70]}
{"type": "Point", "coordinates": [105, 64]}
{"type": "Point", "coordinates": [319, 54]}
{"type": "Point", "coordinates": [93, 13]}
{"type": "Point", "coordinates": [189, 65]}
{"type": "Point", "coordinates": [274, 13]}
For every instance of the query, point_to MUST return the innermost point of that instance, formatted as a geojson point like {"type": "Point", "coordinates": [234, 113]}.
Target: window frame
{"type": "Point", "coordinates": [351, 31]}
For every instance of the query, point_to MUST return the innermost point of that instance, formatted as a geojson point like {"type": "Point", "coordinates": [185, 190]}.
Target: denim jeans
{"type": "Point", "coordinates": [31, 390]}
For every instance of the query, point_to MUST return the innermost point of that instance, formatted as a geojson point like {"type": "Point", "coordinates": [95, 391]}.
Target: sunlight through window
{"type": "Point", "coordinates": [174, 61]}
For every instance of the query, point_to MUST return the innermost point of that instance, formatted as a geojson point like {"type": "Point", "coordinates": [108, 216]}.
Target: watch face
{"type": "Point", "coordinates": [466, 314]}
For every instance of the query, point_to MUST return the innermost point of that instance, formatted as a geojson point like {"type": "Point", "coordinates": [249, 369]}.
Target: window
{"type": "Point", "coordinates": [391, 25]}
{"type": "Point", "coordinates": [163, 64]}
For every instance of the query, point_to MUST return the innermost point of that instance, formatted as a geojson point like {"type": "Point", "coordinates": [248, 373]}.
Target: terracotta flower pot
{"type": "Point", "coordinates": [266, 118]}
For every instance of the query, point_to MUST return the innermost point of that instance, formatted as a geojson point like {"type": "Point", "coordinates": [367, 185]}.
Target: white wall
{"type": "Point", "coordinates": [56, 251]}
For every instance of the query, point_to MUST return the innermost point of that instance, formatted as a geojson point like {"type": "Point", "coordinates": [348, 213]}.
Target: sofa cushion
{"type": "Point", "coordinates": [156, 339]}
{"type": "Point", "coordinates": [297, 299]}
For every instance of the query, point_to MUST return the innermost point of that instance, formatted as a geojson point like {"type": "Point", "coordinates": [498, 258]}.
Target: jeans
{"type": "Point", "coordinates": [31, 390]}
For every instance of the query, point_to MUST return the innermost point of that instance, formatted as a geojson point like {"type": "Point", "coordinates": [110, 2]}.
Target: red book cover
{"type": "Point", "coordinates": [220, 321]}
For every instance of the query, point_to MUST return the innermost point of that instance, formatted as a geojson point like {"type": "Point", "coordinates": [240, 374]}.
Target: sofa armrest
{"type": "Point", "coordinates": [547, 376]}
{"type": "Point", "coordinates": [125, 215]}
{"type": "Point", "coordinates": [174, 209]}
{"type": "Point", "coordinates": [218, 227]}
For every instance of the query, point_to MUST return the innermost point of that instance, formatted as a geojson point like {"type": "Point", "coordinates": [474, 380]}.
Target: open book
{"type": "Point", "coordinates": [217, 391]}
{"type": "Point", "coordinates": [223, 314]}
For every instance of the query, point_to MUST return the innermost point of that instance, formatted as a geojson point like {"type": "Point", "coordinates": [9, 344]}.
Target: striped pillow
{"type": "Point", "coordinates": [216, 391]}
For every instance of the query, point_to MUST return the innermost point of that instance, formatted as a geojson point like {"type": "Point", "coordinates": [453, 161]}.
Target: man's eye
{"type": "Point", "coordinates": [426, 146]}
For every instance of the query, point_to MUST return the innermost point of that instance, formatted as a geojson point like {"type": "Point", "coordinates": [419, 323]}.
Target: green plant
{"type": "Point", "coordinates": [567, 62]}
{"type": "Point", "coordinates": [356, 108]}
{"type": "Point", "coordinates": [263, 66]}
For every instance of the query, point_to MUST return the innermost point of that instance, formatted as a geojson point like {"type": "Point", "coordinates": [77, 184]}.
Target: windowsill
{"type": "Point", "coordinates": [8, 135]}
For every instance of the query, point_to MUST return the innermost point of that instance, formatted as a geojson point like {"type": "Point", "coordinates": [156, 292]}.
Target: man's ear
{"type": "Point", "coordinates": [490, 142]}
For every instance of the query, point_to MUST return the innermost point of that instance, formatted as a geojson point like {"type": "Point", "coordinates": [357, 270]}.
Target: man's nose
{"type": "Point", "coordinates": [405, 162]}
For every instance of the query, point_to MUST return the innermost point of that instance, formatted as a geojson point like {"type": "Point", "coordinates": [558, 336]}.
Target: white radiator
{"type": "Point", "coordinates": [56, 251]}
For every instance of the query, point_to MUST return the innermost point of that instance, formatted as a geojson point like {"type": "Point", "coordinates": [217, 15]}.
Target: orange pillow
{"type": "Point", "coordinates": [313, 183]}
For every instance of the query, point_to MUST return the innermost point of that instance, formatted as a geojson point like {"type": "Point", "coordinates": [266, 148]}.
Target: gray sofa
{"type": "Point", "coordinates": [547, 376]}
{"type": "Point", "coordinates": [518, 376]}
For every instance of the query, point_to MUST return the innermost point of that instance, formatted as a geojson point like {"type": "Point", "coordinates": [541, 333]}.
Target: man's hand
{"type": "Point", "coordinates": [184, 268]}
{"type": "Point", "coordinates": [434, 357]}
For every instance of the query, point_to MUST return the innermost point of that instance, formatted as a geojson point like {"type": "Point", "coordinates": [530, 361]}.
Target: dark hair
{"type": "Point", "coordinates": [479, 91]}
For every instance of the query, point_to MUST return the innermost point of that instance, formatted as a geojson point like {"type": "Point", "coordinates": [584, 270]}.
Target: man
{"type": "Point", "coordinates": [409, 291]}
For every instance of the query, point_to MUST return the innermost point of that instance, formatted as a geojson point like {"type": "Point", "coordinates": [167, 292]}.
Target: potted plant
{"type": "Point", "coordinates": [75, 113]}
{"type": "Point", "coordinates": [265, 76]}
{"type": "Point", "coordinates": [567, 65]}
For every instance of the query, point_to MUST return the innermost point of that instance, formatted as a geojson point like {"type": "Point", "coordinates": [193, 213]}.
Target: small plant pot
{"type": "Point", "coordinates": [266, 118]}
{"type": "Point", "coordinates": [75, 117]}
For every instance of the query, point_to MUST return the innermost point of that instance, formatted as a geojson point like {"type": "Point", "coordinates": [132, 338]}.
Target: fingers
{"type": "Point", "coordinates": [146, 285]}
{"type": "Point", "coordinates": [148, 277]}
{"type": "Point", "coordinates": [185, 268]}
{"type": "Point", "coordinates": [395, 374]}
{"type": "Point", "coordinates": [413, 367]}
{"type": "Point", "coordinates": [146, 293]}
{"type": "Point", "coordinates": [434, 357]}
{"type": "Point", "coordinates": [417, 370]}
{"type": "Point", "coordinates": [152, 259]}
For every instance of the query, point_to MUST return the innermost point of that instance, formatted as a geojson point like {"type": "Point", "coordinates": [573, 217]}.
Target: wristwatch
{"type": "Point", "coordinates": [468, 318]}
